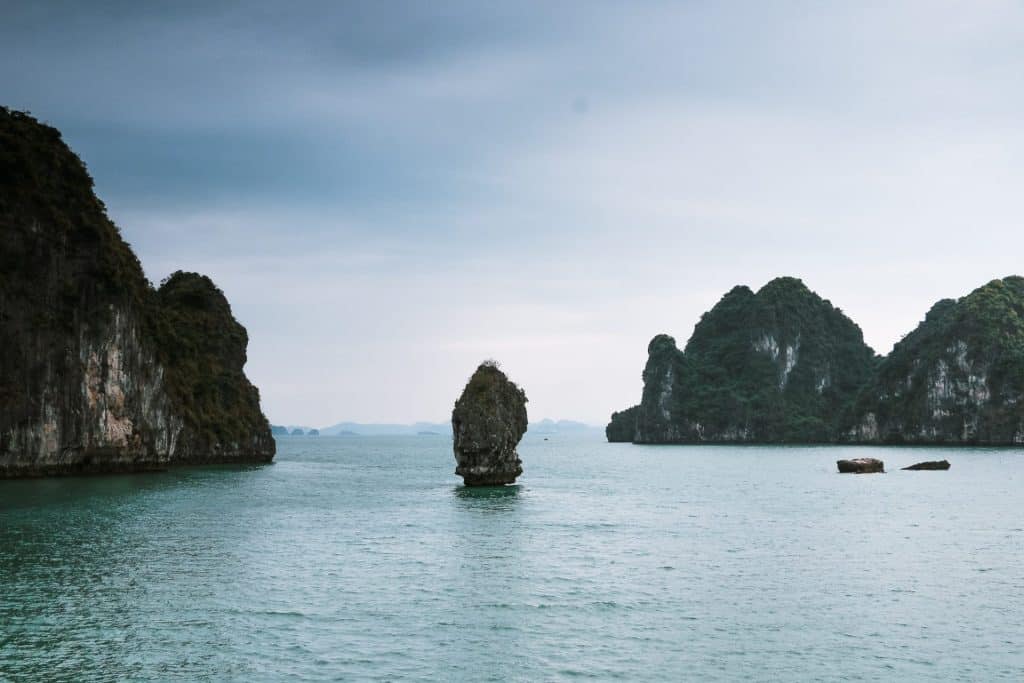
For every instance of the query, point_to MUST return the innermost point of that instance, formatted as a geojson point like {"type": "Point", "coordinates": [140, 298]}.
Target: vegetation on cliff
{"type": "Point", "coordinates": [50, 214]}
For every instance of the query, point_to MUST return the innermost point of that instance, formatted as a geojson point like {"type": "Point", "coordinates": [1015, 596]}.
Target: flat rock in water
{"type": "Point", "coordinates": [860, 466]}
{"type": "Point", "coordinates": [930, 465]}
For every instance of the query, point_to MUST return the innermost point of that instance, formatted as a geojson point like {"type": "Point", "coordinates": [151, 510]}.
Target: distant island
{"type": "Point", "coordinates": [385, 429]}
{"type": "Point", "coordinates": [358, 429]}
{"type": "Point", "coordinates": [101, 371]}
{"type": "Point", "coordinates": [292, 430]}
{"type": "Point", "coordinates": [784, 366]}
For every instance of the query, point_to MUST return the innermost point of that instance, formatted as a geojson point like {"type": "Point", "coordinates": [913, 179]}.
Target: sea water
{"type": "Point", "coordinates": [363, 558]}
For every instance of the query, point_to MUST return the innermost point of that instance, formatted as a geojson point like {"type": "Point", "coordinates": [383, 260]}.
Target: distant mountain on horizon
{"type": "Point", "coordinates": [545, 426]}
{"type": "Point", "coordinates": [293, 430]}
{"type": "Point", "coordinates": [385, 429]}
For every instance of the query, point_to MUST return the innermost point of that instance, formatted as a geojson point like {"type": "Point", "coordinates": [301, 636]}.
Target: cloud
{"type": "Point", "coordinates": [390, 192]}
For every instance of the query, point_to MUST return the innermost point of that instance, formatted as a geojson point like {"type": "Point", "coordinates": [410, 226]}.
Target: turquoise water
{"type": "Point", "coordinates": [363, 559]}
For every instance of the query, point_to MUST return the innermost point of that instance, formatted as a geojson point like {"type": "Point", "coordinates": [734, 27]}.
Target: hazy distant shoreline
{"type": "Point", "coordinates": [545, 426]}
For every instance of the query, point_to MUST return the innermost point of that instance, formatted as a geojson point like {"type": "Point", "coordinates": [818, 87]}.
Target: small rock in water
{"type": "Point", "coordinates": [930, 465]}
{"type": "Point", "coordinates": [861, 466]}
{"type": "Point", "coordinates": [488, 421]}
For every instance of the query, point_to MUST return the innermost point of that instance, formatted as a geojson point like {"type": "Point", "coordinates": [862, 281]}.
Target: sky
{"type": "Point", "coordinates": [390, 192]}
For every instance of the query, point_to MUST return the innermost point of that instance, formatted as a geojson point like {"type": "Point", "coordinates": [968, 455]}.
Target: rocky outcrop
{"type": "Point", "coordinates": [202, 349]}
{"type": "Point", "coordinates": [860, 466]}
{"type": "Point", "coordinates": [778, 365]}
{"type": "Point", "coordinates": [622, 428]}
{"type": "Point", "coordinates": [100, 372]}
{"type": "Point", "coordinates": [930, 465]}
{"type": "Point", "coordinates": [956, 379]}
{"type": "Point", "coordinates": [488, 422]}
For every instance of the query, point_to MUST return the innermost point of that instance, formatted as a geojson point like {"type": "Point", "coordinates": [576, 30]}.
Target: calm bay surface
{"type": "Point", "coordinates": [363, 558]}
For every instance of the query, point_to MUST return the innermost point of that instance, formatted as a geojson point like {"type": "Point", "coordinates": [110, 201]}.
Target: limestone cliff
{"type": "Point", "coordinates": [101, 372]}
{"type": "Point", "coordinates": [488, 422]}
{"type": "Point", "coordinates": [956, 379]}
{"type": "Point", "coordinates": [773, 366]}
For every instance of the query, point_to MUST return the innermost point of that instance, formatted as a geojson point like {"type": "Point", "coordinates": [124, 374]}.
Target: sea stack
{"type": "Point", "coordinates": [488, 421]}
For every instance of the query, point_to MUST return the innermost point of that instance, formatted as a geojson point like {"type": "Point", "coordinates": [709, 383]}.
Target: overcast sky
{"type": "Point", "coordinates": [390, 192]}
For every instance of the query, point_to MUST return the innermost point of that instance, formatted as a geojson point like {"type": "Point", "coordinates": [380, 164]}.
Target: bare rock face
{"type": "Point", "coordinates": [930, 465]}
{"type": "Point", "coordinates": [860, 466]}
{"type": "Point", "coordinates": [488, 421]}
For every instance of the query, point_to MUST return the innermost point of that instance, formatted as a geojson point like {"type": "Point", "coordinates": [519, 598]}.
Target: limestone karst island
{"type": "Point", "coordinates": [783, 365]}
{"type": "Point", "coordinates": [101, 371]}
